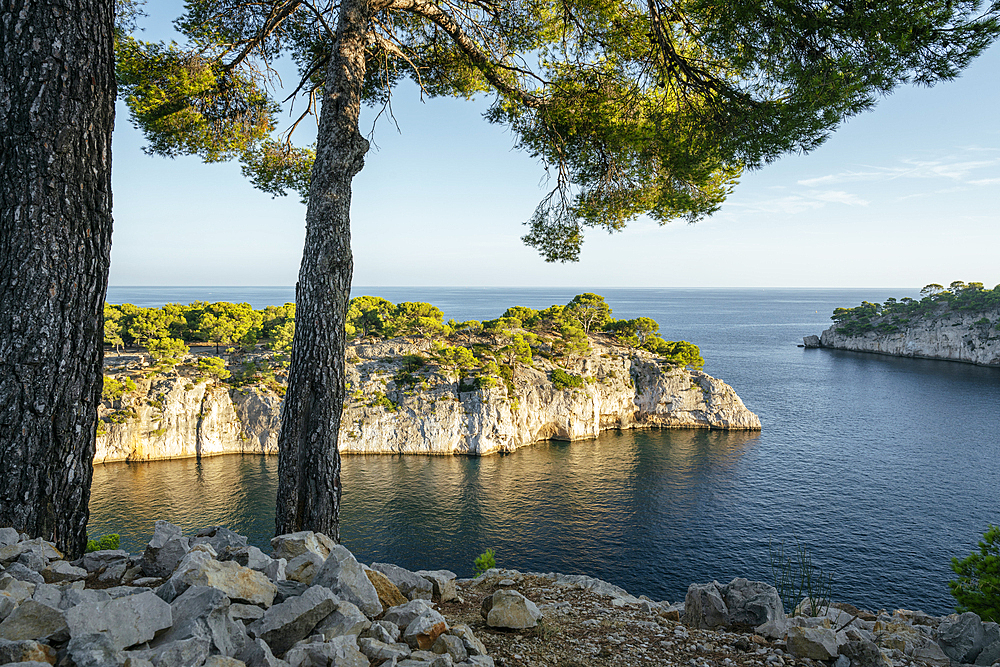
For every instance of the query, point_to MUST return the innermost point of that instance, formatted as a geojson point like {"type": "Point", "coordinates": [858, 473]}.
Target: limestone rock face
{"type": "Point", "coordinates": [173, 417]}
{"type": "Point", "coordinates": [943, 334]}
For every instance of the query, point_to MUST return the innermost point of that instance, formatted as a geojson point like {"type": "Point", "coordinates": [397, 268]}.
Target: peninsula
{"type": "Point", "coordinates": [957, 323]}
{"type": "Point", "coordinates": [418, 385]}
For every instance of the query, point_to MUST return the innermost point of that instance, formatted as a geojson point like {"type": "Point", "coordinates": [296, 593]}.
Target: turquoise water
{"type": "Point", "coordinates": [884, 468]}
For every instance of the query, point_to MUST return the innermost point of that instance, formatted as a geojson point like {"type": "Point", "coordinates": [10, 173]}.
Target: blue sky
{"type": "Point", "coordinates": [900, 197]}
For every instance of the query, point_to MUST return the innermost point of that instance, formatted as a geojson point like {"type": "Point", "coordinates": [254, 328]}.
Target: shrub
{"type": "Point", "coordinates": [104, 542]}
{"type": "Point", "coordinates": [485, 561]}
{"type": "Point", "coordinates": [213, 367]}
{"type": "Point", "coordinates": [796, 578]}
{"type": "Point", "coordinates": [563, 380]}
{"type": "Point", "coordinates": [113, 389]}
{"type": "Point", "coordinates": [977, 588]}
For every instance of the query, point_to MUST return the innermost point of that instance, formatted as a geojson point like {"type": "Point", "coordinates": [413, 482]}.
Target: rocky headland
{"type": "Point", "coordinates": [210, 599]}
{"type": "Point", "coordinates": [960, 324]}
{"type": "Point", "coordinates": [410, 396]}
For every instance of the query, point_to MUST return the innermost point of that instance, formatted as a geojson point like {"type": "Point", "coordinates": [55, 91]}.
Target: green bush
{"type": "Point", "coordinates": [563, 380]}
{"type": "Point", "coordinates": [485, 561]}
{"type": "Point", "coordinates": [213, 367]}
{"type": "Point", "coordinates": [977, 588]}
{"type": "Point", "coordinates": [104, 542]}
{"type": "Point", "coordinates": [113, 389]}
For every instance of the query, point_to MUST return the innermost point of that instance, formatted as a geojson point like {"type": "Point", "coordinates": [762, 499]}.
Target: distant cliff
{"type": "Point", "coordinates": [405, 398]}
{"type": "Point", "coordinates": [961, 323]}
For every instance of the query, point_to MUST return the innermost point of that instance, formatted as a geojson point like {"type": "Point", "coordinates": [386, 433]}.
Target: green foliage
{"type": "Point", "coordinates": [485, 561]}
{"type": "Point", "coordinates": [796, 579]}
{"type": "Point", "coordinates": [517, 351]}
{"type": "Point", "coordinates": [977, 587]}
{"type": "Point", "coordinates": [891, 316]}
{"type": "Point", "coordinates": [213, 367]}
{"type": "Point", "coordinates": [680, 353]}
{"type": "Point", "coordinates": [563, 380]}
{"type": "Point", "coordinates": [590, 310]}
{"type": "Point", "coordinates": [379, 399]}
{"type": "Point", "coordinates": [114, 389]}
{"type": "Point", "coordinates": [411, 364]}
{"type": "Point", "coordinates": [167, 352]}
{"type": "Point", "coordinates": [459, 356]}
{"type": "Point", "coordinates": [104, 543]}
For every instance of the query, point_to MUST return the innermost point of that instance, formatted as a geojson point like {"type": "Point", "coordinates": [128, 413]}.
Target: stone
{"type": "Point", "coordinates": [813, 643]}
{"type": "Point", "coordinates": [203, 612]}
{"type": "Point", "coordinates": [60, 570]}
{"type": "Point", "coordinates": [388, 595]}
{"type": "Point", "coordinates": [245, 612]}
{"type": "Point", "coordinates": [26, 650]}
{"type": "Point", "coordinates": [165, 550]}
{"type": "Point", "coordinates": [95, 561]}
{"type": "Point", "coordinates": [45, 550]}
{"type": "Point", "coordinates": [222, 661]}
{"type": "Point", "coordinates": [751, 603]}
{"type": "Point", "coordinates": [479, 661]}
{"type": "Point", "coordinates": [33, 561]}
{"type": "Point", "coordinates": [34, 620]}
{"type": "Point", "coordinates": [961, 636]}
{"type": "Point", "coordinates": [377, 651]}
{"type": "Point", "coordinates": [290, 545]}
{"type": "Point", "coordinates": [7, 604]}
{"type": "Point", "coordinates": [931, 654]}
{"type": "Point", "coordinates": [220, 538]}
{"type": "Point", "coordinates": [346, 619]}
{"type": "Point", "coordinates": [240, 583]}
{"type": "Point", "coordinates": [8, 536]}
{"type": "Point", "coordinates": [256, 653]}
{"type": "Point", "coordinates": [95, 650]}
{"type": "Point", "coordinates": [17, 589]}
{"type": "Point", "coordinates": [810, 341]}
{"type": "Point", "coordinates": [442, 584]}
{"type": "Point", "coordinates": [288, 589]}
{"type": "Point", "coordinates": [126, 621]}
{"type": "Point", "coordinates": [294, 619]}
{"type": "Point", "coordinates": [704, 607]}
{"type": "Point", "coordinates": [451, 645]}
{"type": "Point", "coordinates": [917, 617]}
{"type": "Point", "coordinates": [423, 630]}
{"type": "Point", "coordinates": [304, 567]}
{"type": "Point", "coordinates": [471, 643]}
{"type": "Point", "coordinates": [383, 631]}
{"type": "Point", "coordinates": [404, 614]}
{"type": "Point", "coordinates": [112, 574]}
{"type": "Point", "coordinates": [22, 572]}
{"type": "Point", "coordinates": [989, 655]}
{"type": "Point", "coordinates": [412, 585]}
{"type": "Point", "coordinates": [193, 651]}
{"type": "Point", "coordinates": [510, 609]}
{"type": "Point", "coordinates": [338, 652]}
{"type": "Point", "coordinates": [343, 575]}
{"type": "Point", "coordinates": [864, 653]}
{"type": "Point", "coordinates": [274, 569]}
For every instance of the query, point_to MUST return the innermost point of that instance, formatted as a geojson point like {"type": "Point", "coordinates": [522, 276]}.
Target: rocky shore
{"type": "Point", "coordinates": [430, 409]}
{"type": "Point", "coordinates": [969, 337]}
{"type": "Point", "coordinates": [211, 599]}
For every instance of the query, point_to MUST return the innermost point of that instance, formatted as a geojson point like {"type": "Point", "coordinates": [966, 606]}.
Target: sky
{"type": "Point", "coordinates": [902, 196]}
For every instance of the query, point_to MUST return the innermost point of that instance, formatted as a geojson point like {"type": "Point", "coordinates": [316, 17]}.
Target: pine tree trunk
{"type": "Point", "coordinates": [308, 459]}
{"type": "Point", "coordinates": [57, 93]}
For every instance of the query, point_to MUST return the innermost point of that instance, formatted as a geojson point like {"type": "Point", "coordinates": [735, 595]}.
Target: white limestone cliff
{"type": "Point", "coordinates": [176, 416]}
{"type": "Point", "coordinates": [970, 337]}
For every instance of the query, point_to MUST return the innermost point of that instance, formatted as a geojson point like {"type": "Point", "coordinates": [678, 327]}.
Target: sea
{"type": "Point", "coordinates": [877, 470]}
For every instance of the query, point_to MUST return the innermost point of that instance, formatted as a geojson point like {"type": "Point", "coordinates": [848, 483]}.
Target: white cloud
{"type": "Point", "coordinates": [951, 168]}
{"type": "Point", "coordinates": [839, 197]}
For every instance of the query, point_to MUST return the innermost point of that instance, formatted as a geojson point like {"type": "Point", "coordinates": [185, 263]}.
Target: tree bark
{"type": "Point", "coordinates": [309, 460]}
{"type": "Point", "coordinates": [57, 93]}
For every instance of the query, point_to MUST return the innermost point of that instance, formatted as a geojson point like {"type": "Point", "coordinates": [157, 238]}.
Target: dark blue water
{"type": "Point", "coordinates": [884, 468]}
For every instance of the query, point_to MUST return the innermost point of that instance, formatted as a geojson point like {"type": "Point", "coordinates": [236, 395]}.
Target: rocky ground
{"type": "Point", "coordinates": [210, 599]}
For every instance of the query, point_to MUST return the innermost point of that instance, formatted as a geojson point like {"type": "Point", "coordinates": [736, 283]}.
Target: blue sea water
{"type": "Point", "coordinates": [883, 468]}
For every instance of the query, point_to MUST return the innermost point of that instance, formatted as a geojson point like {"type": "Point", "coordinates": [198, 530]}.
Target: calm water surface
{"type": "Point", "coordinates": [884, 468]}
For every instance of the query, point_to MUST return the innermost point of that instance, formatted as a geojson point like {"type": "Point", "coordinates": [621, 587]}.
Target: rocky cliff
{"type": "Point", "coordinates": [970, 337]}
{"type": "Point", "coordinates": [432, 409]}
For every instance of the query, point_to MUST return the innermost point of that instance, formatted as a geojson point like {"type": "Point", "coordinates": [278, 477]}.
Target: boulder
{"type": "Point", "coordinates": [8, 536]}
{"type": "Point", "coordinates": [33, 561]}
{"type": "Point", "coordinates": [989, 655]}
{"type": "Point", "coordinates": [813, 643]}
{"type": "Point", "coordinates": [34, 620]}
{"type": "Point", "coordinates": [60, 570]}
{"type": "Point", "coordinates": [402, 615]}
{"type": "Point", "coordinates": [7, 605]}
{"type": "Point", "coordinates": [752, 603]}
{"type": "Point", "coordinates": [25, 650]}
{"type": "Point", "coordinates": [383, 631]}
{"type": "Point", "coordinates": [810, 341]}
{"type": "Point", "coordinates": [274, 569]}
{"type": "Point", "coordinates": [864, 653]}
{"type": "Point", "coordinates": [451, 645]}
{"type": "Point", "coordinates": [304, 567]}
{"type": "Point", "coordinates": [38, 546]}
{"type": "Point", "coordinates": [95, 561]}
{"type": "Point", "coordinates": [22, 572]}
{"type": "Point", "coordinates": [96, 650]}
{"type": "Point", "coordinates": [290, 545]}
{"type": "Point", "coordinates": [220, 538]}
{"type": "Point", "coordinates": [248, 613]}
{"type": "Point", "coordinates": [961, 636]}
{"type": "Point", "coordinates": [388, 595]}
{"type": "Point", "coordinates": [931, 654]}
{"type": "Point", "coordinates": [412, 585]}
{"type": "Point", "coordinates": [256, 653]}
{"type": "Point", "coordinates": [704, 607]}
{"type": "Point", "coordinates": [192, 651]}
{"type": "Point", "coordinates": [510, 609]}
{"type": "Point", "coordinates": [442, 583]}
{"type": "Point", "coordinates": [18, 590]}
{"type": "Point", "coordinates": [469, 640]}
{"type": "Point", "coordinates": [239, 583]}
{"type": "Point", "coordinates": [377, 651]}
{"type": "Point", "coordinates": [294, 619]}
{"type": "Point", "coordinates": [343, 575]}
{"type": "Point", "coordinates": [126, 621]}
{"type": "Point", "coordinates": [346, 619]}
{"type": "Point", "coordinates": [338, 652]}
{"type": "Point", "coordinates": [203, 612]}
{"type": "Point", "coordinates": [165, 550]}
{"type": "Point", "coordinates": [423, 630]}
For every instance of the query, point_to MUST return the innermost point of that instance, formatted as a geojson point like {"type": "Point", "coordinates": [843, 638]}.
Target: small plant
{"type": "Point", "coordinates": [563, 380]}
{"type": "Point", "coordinates": [796, 578]}
{"type": "Point", "coordinates": [485, 561]}
{"type": "Point", "coordinates": [104, 543]}
{"type": "Point", "coordinates": [978, 586]}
